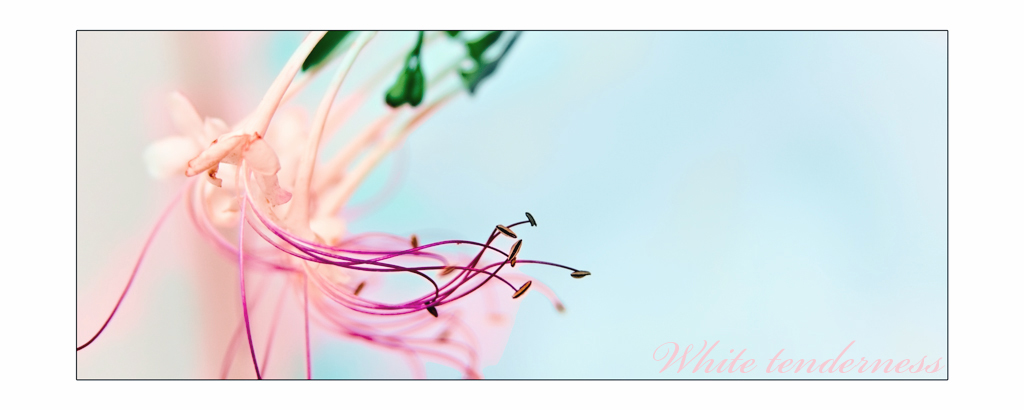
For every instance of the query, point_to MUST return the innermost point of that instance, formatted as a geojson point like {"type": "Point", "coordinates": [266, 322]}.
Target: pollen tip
{"type": "Point", "coordinates": [508, 232]}
{"type": "Point", "coordinates": [533, 222]}
{"type": "Point", "coordinates": [447, 270]}
{"type": "Point", "coordinates": [432, 310]}
{"type": "Point", "coordinates": [415, 241]}
{"type": "Point", "coordinates": [522, 290]}
{"type": "Point", "coordinates": [359, 288]}
{"type": "Point", "coordinates": [560, 307]}
{"type": "Point", "coordinates": [515, 250]}
{"type": "Point", "coordinates": [579, 274]}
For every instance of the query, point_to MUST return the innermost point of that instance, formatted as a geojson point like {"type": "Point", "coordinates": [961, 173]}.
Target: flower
{"type": "Point", "coordinates": [263, 177]}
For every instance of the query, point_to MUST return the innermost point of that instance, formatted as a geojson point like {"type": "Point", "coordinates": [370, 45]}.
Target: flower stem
{"type": "Point", "coordinates": [332, 201]}
{"type": "Point", "coordinates": [298, 212]}
{"type": "Point", "coordinates": [265, 111]}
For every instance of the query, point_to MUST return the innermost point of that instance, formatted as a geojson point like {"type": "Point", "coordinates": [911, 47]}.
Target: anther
{"type": "Point", "coordinates": [415, 241]}
{"type": "Point", "coordinates": [359, 288]}
{"type": "Point", "coordinates": [447, 270]}
{"type": "Point", "coordinates": [533, 222]}
{"type": "Point", "coordinates": [560, 307]}
{"type": "Point", "coordinates": [506, 231]}
{"type": "Point", "coordinates": [515, 250]}
{"type": "Point", "coordinates": [522, 290]}
{"type": "Point", "coordinates": [579, 274]}
{"type": "Point", "coordinates": [432, 311]}
{"type": "Point", "coordinates": [512, 262]}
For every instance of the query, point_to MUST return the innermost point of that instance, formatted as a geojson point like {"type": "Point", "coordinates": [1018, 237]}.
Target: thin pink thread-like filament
{"type": "Point", "coordinates": [241, 281]}
{"type": "Point", "coordinates": [273, 329]}
{"type": "Point", "coordinates": [138, 263]}
{"type": "Point", "coordinates": [305, 300]}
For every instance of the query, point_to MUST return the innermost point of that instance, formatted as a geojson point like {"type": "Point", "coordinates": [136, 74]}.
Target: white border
{"type": "Point", "coordinates": [985, 162]}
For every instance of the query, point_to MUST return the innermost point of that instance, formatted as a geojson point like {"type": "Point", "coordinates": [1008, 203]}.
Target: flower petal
{"type": "Point", "coordinates": [214, 154]}
{"type": "Point", "coordinates": [169, 156]}
{"type": "Point", "coordinates": [273, 191]}
{"type": "Point", "coordinates": [211, 176]}
{"type": "Point", "coordinates": [261, 157]}
{"type": "Point", "coordinates": [184, 115]}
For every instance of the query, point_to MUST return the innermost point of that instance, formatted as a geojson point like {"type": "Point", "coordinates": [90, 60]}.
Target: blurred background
{"type": "Point", "coordinates": [766, 190]}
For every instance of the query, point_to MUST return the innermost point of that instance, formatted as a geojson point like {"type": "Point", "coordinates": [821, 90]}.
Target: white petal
{"type": "Point", "coordinates": [261, 157]}
{"type": "Point", "coordinates": [214, 154]}
{"type": "Point", "coordinates": [211, 176]}
{"type": "Point", "coordinates": [272, 190]}
{"type": "Point", "coordinates": [184, 115]}
{"type": "Point", "coordinates": [169, 156]}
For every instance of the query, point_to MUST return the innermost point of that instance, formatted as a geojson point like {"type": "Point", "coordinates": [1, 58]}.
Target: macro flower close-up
{"type": "Point", "coordinates": [264, 194]}
{"type": "Point", "coordinates": [553, 205]}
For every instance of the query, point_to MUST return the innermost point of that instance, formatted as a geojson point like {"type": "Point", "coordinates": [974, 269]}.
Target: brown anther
{"type": "Point", "coordinates": [359, 288]}
{"type": "Point", "coordinates": [447, 270]}
{"type": "Point", "coordinates": [432, 311]}
{"type": "Point", "coordinates": [533, 222]}
{"type": "Point", "coordinates": [579, 274]}
{"type": "Point", "coordinates": [512, 262]}
{"type": "Point", "coordinates": [415, 241]}
{"type": "Point", "coordinates": [560, 307]}
{"type": "Point", "coordinates": [515, 250]}
{"type": "Point", "coordinates": [508, 232]}
{"type": "Point", "coordinates": [522, 290]}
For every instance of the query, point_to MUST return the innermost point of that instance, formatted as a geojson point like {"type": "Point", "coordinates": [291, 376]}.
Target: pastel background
{"type": "Point", "coordinates": [768, 190]}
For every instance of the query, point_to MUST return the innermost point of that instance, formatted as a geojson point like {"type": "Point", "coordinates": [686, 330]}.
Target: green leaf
{"type": "Point", "coordinates": [479, 46]}
{"type": "Point", "coordinates": [471, 79]}
{"type": "Point", "coordinates": [453, 34]}
{"type": "Point", "coordinates": [323, 48]}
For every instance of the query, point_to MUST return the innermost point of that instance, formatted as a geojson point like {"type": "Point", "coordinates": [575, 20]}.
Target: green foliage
{"type": "Point", "coordinates": [471, 79]}
{"type": "Point", "coordinates": [323, 48]}
{"type": "Point", "coordinates": [411, 84]}
{"type": "Point", "coordinates": [479, 46]}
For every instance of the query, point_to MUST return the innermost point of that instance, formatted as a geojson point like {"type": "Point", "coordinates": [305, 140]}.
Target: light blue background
{"type": "Point", "coordinates": [768, 190]}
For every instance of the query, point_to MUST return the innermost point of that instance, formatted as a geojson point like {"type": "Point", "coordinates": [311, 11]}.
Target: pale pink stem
{"type": "Point", "coordinates": [138, 263]}
{"type": "Point", "coordinates": [332, 201]}
{"type": "Point", "coordinates": [265, 111]}
{"type": "Point", "coordinates": [241, 281]}
{"type": "Point", "coordinates": [305, 301]}
{"type": "Point", "coordinates": [273, 329]}
{"type": "Point", "coordinates": [225, 366]}
{"type": "Point", "coordinates": [298, 212]}
{"type": "Point", "coordinates": [333, 169]}
{"type": "Point", "coordinates": [336, 166]}
{"type": "Point", "coordinates": [392, 64]}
